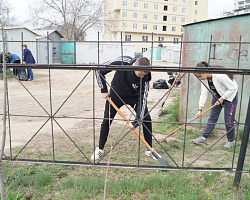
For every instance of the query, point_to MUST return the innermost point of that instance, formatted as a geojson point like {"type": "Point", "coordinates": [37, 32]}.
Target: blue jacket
{"type": "Point", "coordinates": [13, 57]}
{"type": "Point", "coordinates": [28, 57]}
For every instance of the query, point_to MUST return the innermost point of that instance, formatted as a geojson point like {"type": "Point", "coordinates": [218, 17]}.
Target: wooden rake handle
{"type": "Point", "coordinates": [127, 121]}
{"type": "Point", "coordinates": [189, 121]}
{"type": "Point", "coordinates": [172, 86]}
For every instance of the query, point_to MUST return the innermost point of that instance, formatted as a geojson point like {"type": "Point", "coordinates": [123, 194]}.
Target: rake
{"type": "Point", "coordinates": [159, 158]}
{"type": "Point", "coordinates": [188, 122]}
{"type": "Point", "coordinates": [159, 113]}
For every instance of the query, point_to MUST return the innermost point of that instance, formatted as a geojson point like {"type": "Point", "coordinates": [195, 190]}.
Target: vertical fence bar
{"type": "Point", "coordinates": [152, 49]}
{"type": "Point", "coordinates": [243, 148]}
{"type": "Point", "coordinates": [51, 107]}
{"type": "Point", "coordinates": [121, 48]}
{"type": "Point", "coordinates": [240, 101]}
{"type": "Point", "coordinates": [209, 53]}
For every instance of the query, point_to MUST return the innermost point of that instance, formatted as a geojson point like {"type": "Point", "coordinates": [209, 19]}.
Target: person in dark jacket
{"type": "Point", "coordinates": [127, 87]}
{"type": "Point", "coordinates": [13, 58]}
{"type": "Point", "coordinates": [28, 59]}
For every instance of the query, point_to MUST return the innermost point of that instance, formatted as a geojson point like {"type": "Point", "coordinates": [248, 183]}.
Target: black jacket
{"type": "Point", "coordinates": [126, 83]}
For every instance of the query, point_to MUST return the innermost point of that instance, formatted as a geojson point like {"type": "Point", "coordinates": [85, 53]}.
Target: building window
{"type": "Point", "coordinates": [145, 26]}
{"type": "Point", "coordinates": [134, 25]}
{"type": "Point", "coordinates": [173, 19]}
{"type": "Point", "coordinates": [135, 15]}
{"type": "Point", "coordinates": [124, 25]}
{"type": "Point", "coordinates": [165, 8]}
{"type": "Point", "coordinates": [173, 28]}
{"type": "Point", "coordinates": [195, 20]}
{"type": "Point", "coordinates": [161, 39]}
{"type": "Point", "coordinates": [174, 9]}
{"type": "Point", "coordinates": [184, 1]}
{"type": "Point", "coordinates": [164, 28]}
{"type": "Point", "coordinates": [174, 0]}
{"type": "Point", "coordinates": [184, 10]}
{"type": "Point", "coordinates": [124, 14]}
{"type": "Point", "coordinates": [156, 17]}
{"type": "Point", "coordinates": [144, 38]}
{"type": "Point", "coordinates": [135, 4]}
{"type": "Point", "coordinates": [176, 40]}
{"type": "Point", "coordinates": [155, 27]}
{"type": "Point", "coordinates": [145, 16]}
{"type": "Point", "coordinates": [128, 38]}
{"type": "Point", "coordinates": [247, 1]}
{"type": "Point", "coordinates": [241, 2]}
{"type": "Point", "coordinates": [145, 5]}
{"type": "Point", "coordinates": [183, 19]}
{"type": "Point", "coordinates": [196, 3]}
{"type": "Point", "coordinates": [156, 6]}
{"type": "Point", "coordinates": [144, 50]}
{"type": "Point", "coordinates": [124, 3]}
{"type": "Point", "coordinates": [196, 12]}
{"type": "Point", "coordinates": [165, 18]}
{"type": "Point", "coordinates": [181, 29]}
{"type": "Point", "coordinates": [165, 0]}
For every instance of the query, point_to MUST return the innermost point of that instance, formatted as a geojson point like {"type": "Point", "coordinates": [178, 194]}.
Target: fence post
{"type": "Point", "coordinates": [243, 149]}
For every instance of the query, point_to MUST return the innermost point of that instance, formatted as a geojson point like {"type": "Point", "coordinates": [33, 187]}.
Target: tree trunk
{"type": "Point", "coordinates": [2, 181]}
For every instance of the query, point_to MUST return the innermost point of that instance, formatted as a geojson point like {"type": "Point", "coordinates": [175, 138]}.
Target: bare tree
{"type": "Point", "coordinates": [3, 20]}
{"type": "Point", "coordinates": [72, 17]}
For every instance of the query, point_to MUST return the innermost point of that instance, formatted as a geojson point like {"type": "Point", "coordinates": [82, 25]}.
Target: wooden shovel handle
{"type": "Point", "coordinates": [189, 121]}
{"type": "Point", "coordinates": [127, 121]}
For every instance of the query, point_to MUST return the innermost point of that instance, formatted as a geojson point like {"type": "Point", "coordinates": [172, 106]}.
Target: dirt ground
{"type": "Point", "coordinates": [70, 102]}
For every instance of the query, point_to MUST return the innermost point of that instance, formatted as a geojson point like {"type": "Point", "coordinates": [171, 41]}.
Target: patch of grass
{"type": "Point", "coordinates": [88, 183]}
{"type": "Point", "coordinates": [8, 73]}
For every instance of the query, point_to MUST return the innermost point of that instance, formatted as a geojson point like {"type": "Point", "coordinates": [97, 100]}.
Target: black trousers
{"type": "Point", "coordinates": [105, 123]}
{"type": "Point", "coordinates": [16, 71]}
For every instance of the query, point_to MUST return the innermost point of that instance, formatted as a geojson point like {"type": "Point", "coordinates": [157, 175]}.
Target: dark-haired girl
{"type": "Point", "coordinates": [225, 92]}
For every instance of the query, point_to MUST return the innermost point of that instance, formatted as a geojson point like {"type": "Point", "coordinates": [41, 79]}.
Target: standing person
{"type": "Point", "coordinates": [132, 87]}
{"type": "Point", "coordinates": [28, 59]}
{"type": "Point", "coordinates": [13, 58]}
{"type": "Point", "coordinates": [225, 92]}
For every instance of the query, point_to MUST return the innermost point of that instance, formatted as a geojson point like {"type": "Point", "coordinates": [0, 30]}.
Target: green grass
{"type": "Point", "coordinates": [88, 183]}
{"type": "Point", "coordinates": [8, 73]}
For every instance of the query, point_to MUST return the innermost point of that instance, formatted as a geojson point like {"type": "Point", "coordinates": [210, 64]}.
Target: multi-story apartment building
{"type": "Point", "coordinates": [240, 7]}
{"type": "Point", "coordinates": [240, 4]}
{"type": "Point", "coordinates": [136, 20]}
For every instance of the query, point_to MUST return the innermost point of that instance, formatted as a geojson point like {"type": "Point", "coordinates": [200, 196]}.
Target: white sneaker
{"type": "Point", "coordinates": [228, 144]}
{"type": "Point", "coordinates": [149, 154]}
{"type": "Point", "coordinates": [98, 153]}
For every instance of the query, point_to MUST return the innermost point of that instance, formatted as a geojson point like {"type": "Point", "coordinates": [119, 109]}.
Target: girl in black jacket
{"type": "Point", "coordinates": [127, 87]}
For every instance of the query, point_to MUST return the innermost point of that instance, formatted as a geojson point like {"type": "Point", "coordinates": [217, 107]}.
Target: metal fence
{"type": "Point", "coordinates": [43, 144]}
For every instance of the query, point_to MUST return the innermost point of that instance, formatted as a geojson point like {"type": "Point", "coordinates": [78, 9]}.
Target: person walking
{"type": "Point", "coordinates": [225, 94]}
{"type": "Point", "coordinates": [129, 87]}
{"type": "Point", "coordinates": [28, 59]}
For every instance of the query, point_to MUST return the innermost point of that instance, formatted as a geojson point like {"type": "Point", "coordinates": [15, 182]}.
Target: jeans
{"type": "Point", "coordinates": [30, 74]}
{"type": "Point", "coordinates": [229, 115]}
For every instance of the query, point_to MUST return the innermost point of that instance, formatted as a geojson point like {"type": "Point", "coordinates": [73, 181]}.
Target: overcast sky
{"type": "Point", "coordinates": [20, 7]}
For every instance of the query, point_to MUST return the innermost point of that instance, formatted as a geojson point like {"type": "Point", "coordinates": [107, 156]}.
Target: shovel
{"type": "Point", "coordinates": [188, 122]}
{"type": "Point", "coordinates": [159, 113]}
{"type": "Point", "coordinates": [159, 158]}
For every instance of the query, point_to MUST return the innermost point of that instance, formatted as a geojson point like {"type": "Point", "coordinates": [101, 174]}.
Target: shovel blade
{"type": "Point", "coordinates": [159, 113]}
{"type": "Point", "coordinates": [161, 160]}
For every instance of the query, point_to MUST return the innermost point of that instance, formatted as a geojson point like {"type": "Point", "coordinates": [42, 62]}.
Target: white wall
{"type": "Point", "coordinates": [87, 53]}
{"type": "Point", "coordinates": [171, 54]}
{"type": "Point", "coordinates": [15, 35]}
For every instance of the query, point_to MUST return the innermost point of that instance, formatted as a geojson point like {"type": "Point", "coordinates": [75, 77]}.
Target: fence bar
{"type": "Point", "coordinates": [243, 149]}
